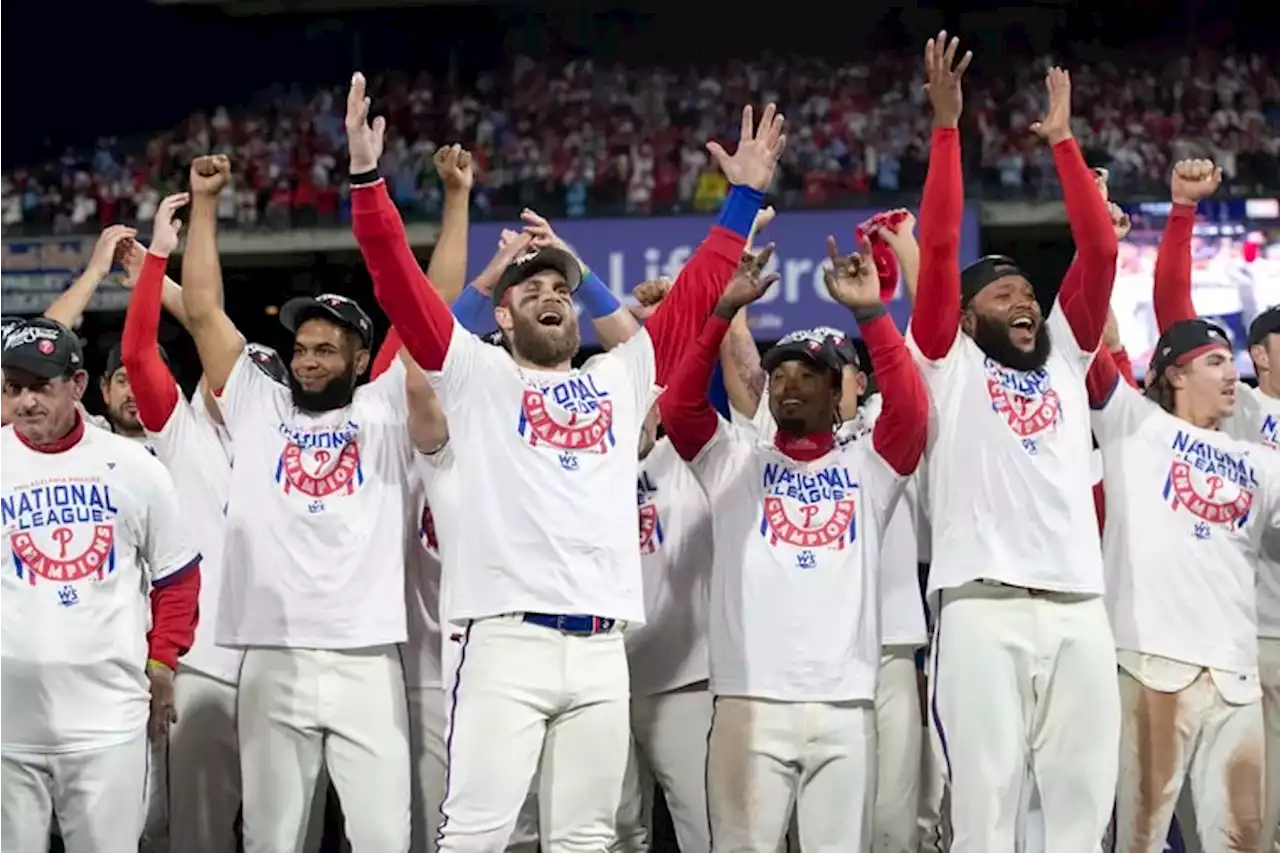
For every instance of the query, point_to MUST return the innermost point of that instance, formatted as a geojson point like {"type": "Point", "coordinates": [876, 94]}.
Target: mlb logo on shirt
{"type": "Point", "coordinates": [1025, 400]}
{"type": "Point", "coordinates": [1216, 487]}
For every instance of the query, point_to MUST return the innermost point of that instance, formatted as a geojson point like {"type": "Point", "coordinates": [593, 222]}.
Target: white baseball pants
{"type": "Point", "coordinates": [935, 802]}
{"type": "Point", "coordinates": [345, 710]}
{"type": "Point", "coordinates": [1046, 664]}
{"type": "Point", "coordinates": [669, 746]}
{"type": "Point", "coordinates": [1269, 671]}
{"type": "Point", "coordinates": [766, 758]}
{"type": "Point", "coordinates": [98, 796]}
{"type": "Point", "coordinates": [427, 720]}
{"type": "Point", "coordinates": [898, 745]}
{"type": "Point", "coordinates": [520, 691]}
{"type": "Point", "coordinates": [1191, 734]}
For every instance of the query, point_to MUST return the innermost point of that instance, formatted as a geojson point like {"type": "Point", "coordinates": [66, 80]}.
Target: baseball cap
{"type": "Point", "coordinates": [328, 306]}
{"type": "Point", "coordinates": [115, 359]}
{"type": "Point", "coordinates": [844, 345]}
{"type": "Point", "coordinates": [44, 347]}
{"type": "Point", "coordinates": [984, 271]}
{"type": "Point", "coordinates": [8, 324]}
{"type": "Point", "coordinates": [268, 361]}
{"type": "Point", "coordinates": [809, 345]}
{"type": "Point", "coordinates": [1185, 340]}
{"type": "Point", "coordinates": [1264, 324]}
{"type": "Point", "coordinates": [539, 260]}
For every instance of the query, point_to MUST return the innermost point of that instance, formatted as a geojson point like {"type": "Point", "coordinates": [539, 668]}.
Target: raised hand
{"type": "Point", "coordinates": [164, 234]}
{"type": "Point", "coordinates": [851, 279]}
{"type": "Point", "coordinates": [1056, 124]}
{"type": "Point", "coordinates": [209, 174]}
{"type": "Point", "coordinates": [748, 283]}
{"type": "Point", "coordinates": [364, 141]}
{"type": "Point", "coordinates": [1119, 220]}
{"type": "Point", "coordinates": [648, 296]}
{"type": "Point", "coordinates": [898, 229]}
{"type": "Point", "coordinates": [1194, 180]}
{"type": "Point", "coordinates": [544, 236]}
{"type": "Point", "coordinates": [453, 165]}
{"type": "Point", "coordinates": [753, 164]}
{"type": "Point", "coordinates": [942, 78]}
{"type": "Point", "coordinates": [110, 247]}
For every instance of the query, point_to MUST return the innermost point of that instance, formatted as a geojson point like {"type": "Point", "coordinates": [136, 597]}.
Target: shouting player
{"type": "Point", "coordinates": [1187, 507]}
{"type": "Point", "coordinates": [1016, 563]}
{"type": "Point", "coordinates": [542, 669]}
{"type": "Point", "coordinates": [798, 529]}
{"type": "Point", "coordinates": [92, 524]}
{"type": "Point", "coordinates": [313, 560]}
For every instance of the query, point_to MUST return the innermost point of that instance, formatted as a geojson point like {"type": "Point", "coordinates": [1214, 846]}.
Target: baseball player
{"type": "Point", "coordinates": [1016, 564]}
{"type": "Point", "coordinates": [313, 556]}
{"type": "Point", "coordinates": [1180, 589]}
{"type": "Point", "coordinates": [1254, 419]}
{"type": "Point", "coordinates": [798, 529]}
{"type": "Point", "coordinates": [92, 524]}
{"type": "Point", "coordinates": [542, 667]}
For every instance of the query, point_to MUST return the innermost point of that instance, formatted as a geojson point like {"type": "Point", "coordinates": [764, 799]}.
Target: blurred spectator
{"type": "Point", "coordinates": [584, 138]}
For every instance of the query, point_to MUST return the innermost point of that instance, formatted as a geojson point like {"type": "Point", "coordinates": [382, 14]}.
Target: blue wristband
{"type": "Point", "coordinates": [740, 208]}
{"type": "Point", "coordinates": [596, 297]}
{"type": "Point", "coordinates": [474, 311]}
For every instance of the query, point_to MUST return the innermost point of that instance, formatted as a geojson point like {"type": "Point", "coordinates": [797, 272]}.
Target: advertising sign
{"type": "Point", "coordinates": [32, 274]}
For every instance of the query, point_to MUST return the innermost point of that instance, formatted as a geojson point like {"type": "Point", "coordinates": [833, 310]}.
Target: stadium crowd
{"type": "Point", "coordinates": [586, 137]}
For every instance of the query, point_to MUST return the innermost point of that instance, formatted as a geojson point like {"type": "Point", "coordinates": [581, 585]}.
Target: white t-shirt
{"type": "Point", "coordinates": [1257, 420]}
{"type": "Point", "coordinates": [901, 605]}
{"type": "Point", "coordinates": [316, 524]}
{"type": "Point", "coordinates": [1008, 468]}
{"type": "Point", "coordinates": [670, 650]}
{"type": "Point", "coordinates": [194, 449]}
{"type": "Point", "coordinates": [547, 520]}
{"type": "Point", "coordinates": [795, 583]}
{"type": "Point", "coordinates": [1186, 509]}
{"type": "Point", "coordinates": [101, 422]}
{"type": "Point", "coordinates": [432, 512]}
{"type": "Point", "coordinates": [89, 531]}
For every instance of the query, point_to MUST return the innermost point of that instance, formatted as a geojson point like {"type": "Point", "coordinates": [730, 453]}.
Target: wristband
{"type": "Point", "coordinates": [364, 178]}
{"type": "Point", "coordinates": [868, 313]}
{"type": "Point", "coordinates": [739, 211]}
{"type": "Point", "coordinates": [596, 297]}
{"type": "Point", "coordinates": [474, 310]}
{"type": "Point", "coordinates": [154, 662]}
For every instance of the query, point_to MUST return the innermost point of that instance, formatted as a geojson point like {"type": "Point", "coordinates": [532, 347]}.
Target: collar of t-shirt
{"type": "Point", "coordinates": [805, 448]}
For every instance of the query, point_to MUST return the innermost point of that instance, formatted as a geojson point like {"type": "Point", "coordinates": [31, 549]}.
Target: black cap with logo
{"type": "Point", "coordinates": [328, 306]}
{"type": "Point", "coordinates": [984, 271]}
{"type": "Point", "coordinates": [115, 359]}
{"type": "Point", "coordinates": [535, 261]}
{"type": "Point", "coordinates": [43, 347]}
{"type": "Point", "coordinates": [1185, 340]}
{"type": "Point", "coordinates": [1266, 323]}
{"type": "Point", "coordinates": [811, 345]}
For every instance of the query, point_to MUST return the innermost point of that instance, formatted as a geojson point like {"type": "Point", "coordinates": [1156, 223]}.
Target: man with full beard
{"type": "Point", "coordinates": [541, 669]}
{"type": "Point", "coordinates": [313, 586]}
{"type": "Point", "coordinates": [1024, 662]}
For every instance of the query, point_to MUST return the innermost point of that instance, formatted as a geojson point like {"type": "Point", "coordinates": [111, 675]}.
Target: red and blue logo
{"type": "Point", "coordinates": [1215, 487]}
{"type": "Point", "coordinates": [320, 463]}
{"type": "Point", "coordinates": [809, 509]}
{"type": "Point", "coordinates": [61, 531]}
{"type": "Point", "coordinates": [1025, 400]}
{"type": "Point", "coordinates": [573, 416]}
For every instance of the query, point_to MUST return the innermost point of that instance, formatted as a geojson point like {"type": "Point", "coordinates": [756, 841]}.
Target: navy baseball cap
{"type": "Point", "coordinates": [1185, 340]}
{"type": "Point", "coordinates": [7, 324]}
{"type": "Point", "coordinates": [44, 347]}
{"type": "Point", "coordinates": [115, 359]}
{"type": "Point", "coordinates": [328, 306]}
{"type": "Point", "coordinates": [531, 263]}
{"type": "Point", "coordinates": [984, 271]}
{"type": "Point", "coordinates": [810, 345]}
{"type": "Point", "coordinates": [845, 347]}
{"type": "Point", "coordinates": [1266, 323]}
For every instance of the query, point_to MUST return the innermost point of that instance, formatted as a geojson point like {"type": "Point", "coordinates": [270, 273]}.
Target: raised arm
{"type": "Point", "coordinates": [218, 342]}
{"type": "Point", "coordinates": [70, 304]}
{"type": "Point", "coordinates": [1086, 291]}
{"type": "Point", "coordinates": [428, 427]}
{"type": "Point", "coordinates": [687, 414]}
{"type": "Point", "coordinates": [700, 284]}
{"type": "Point", "coordinates": [154, 388]}
{"type": "Point", "coordinates": [744, 377]}
{"type": "Point", "coordinates": [1192, 181]}
{"type": "Point", "coordinates": [404, 292]}
{"type": "Point", "coordinates": [1102, 380]}
{"type": "Point", "coordinates": [896, 230]}
{"type": "Point", "coordinates": [935, 317]}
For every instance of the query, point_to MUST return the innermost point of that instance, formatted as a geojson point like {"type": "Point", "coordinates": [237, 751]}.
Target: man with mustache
{"type": "Point", "coordinates": [1023, 658]}
{"type": "Point", "coordinates": [313, 557]}
{"type": "Point", "coordinates": [542, 669]}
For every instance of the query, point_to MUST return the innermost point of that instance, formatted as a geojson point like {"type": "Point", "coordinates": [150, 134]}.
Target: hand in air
{"type": "Point", "coordinates": [209, 174]}
{"type": "Point", "coordinates": [1056, 124]}
{"type": "Point", "coordinates": [753, 164]}
{"type": "Point", "coordinates": [110, 247]}
{"type": "Point", "coordinates": [453, 165]}
{"type": "Point", "coordinates": [540, 230]}
{"type": "Point", "coordinates": [851, 279]}
{"type": "Point", "coordinates": [749, 282]}
{"type": "Point", "coordinates": [1119, 220]}
{"type": "Point", "coordinates": [164, 233]}
{"type": "Point", "coordinates": [897, 228]}
{"type": "Point", "coordinates": [364, 140]}
{"type": "Point", "coordinates": [1194, 180]}
{"type": "Point", "coordinates": [648, 296]}
{"type": "Point", "coordinates": [942, 74]}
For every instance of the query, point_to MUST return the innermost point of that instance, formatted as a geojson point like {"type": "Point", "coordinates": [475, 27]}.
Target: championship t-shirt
{"type": "Point", "coordinates": [1186, 512]}
{"type": "Point", "coordinates": [795, 584]}
{"type": "Point", "coordinates": [316, 522]}
{"type": "Point", "coordinates": [1008, 468]}
{"type": "Point", "coordinates": [547, 520]}
{"type": "Point", "coordinates": [194, 447]}
{"type": "Point", "coordinates": [670, 650]}
{"type": "Point", "coordinates": [88, 531]}
{"type": "Point", "coordinates": [1257, 420]}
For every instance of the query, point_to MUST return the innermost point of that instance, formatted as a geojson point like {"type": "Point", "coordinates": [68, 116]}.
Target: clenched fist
{"type": "Point", "coordinates": [1193, 180]}
{"type": "Point", "coordinates": [209, 174]}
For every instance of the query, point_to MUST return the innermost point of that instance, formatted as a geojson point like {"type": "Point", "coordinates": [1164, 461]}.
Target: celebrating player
{"type": "Point", "coordinates": [798, 529]}
{"type": "Point", "coordinates": [542, 669]}
{"type": "Point", "coordinates": [314, 555]}
{"type": "Point", "coordinates": [1016, 561]}
{"type": "Point", "coordinates": [92, 524]}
